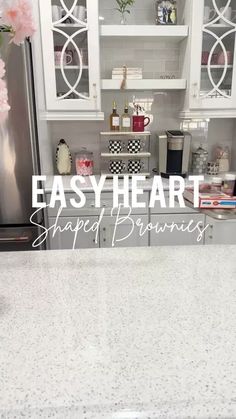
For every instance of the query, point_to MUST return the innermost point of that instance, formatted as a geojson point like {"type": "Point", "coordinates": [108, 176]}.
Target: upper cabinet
{"type": "Point", "coordinates": [211, 57]}
{"type": "Point", "coordinates": [70, 48]}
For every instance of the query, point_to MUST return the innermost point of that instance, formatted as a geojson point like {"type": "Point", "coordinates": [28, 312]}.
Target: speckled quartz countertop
{"type": "Point", "coordinates": [118, 334]}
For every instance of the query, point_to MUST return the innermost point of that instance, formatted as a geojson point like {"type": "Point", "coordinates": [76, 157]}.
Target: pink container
{"type": "Point", "coordinates": [84, 163]}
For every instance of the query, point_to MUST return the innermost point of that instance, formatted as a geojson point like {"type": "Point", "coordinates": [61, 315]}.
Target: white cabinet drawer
{"type": "Point", "coordinates": [64, 237]}
{"type": "Point", "coordinates": [158, 210]}
{"type": "Point", "coordinates": [90, 209]}
{"type": "Point", "coordinates": [175, 238]}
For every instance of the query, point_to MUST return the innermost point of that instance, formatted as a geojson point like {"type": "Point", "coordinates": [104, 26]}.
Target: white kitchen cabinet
{"type": "Point", "coordinates": [220, 231]}
{"type": "Point", "coordinates": [212, 56]}
{"type": "Point", "coordinates": [175, 237]}
{"type": "Point", "coordinates": [108, 231]}
{"type": "Point", "coordinates": [71, 63]}
{"type": "Point", "coordinates": [65, 239]}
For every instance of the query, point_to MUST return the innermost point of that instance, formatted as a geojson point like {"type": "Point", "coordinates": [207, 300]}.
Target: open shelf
{"type": "Point", "coordinates": [145, 84]}
{"type": "Point", "coordinates": [126, 155]}
{"type": "Point", "coordinates": [70, 25]}
{"type": "Point", "coordinates": [71, 67]}
{"type": "Point", "coordinates": [176, 32]}
{"type": "Point", "coordinates": [216, 67]}
{"type": "Point", "coordinates": [107, 174]}
{"type": "Point", "coordinates": [130, 134]}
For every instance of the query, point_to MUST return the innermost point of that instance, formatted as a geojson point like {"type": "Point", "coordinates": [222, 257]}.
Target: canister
{"type": "Point", "coordinates": [199, 161]}
{"type": "Point", "coordinates": [84, 162]}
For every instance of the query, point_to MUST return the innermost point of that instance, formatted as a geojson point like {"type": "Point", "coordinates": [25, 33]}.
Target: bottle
{"type": "Point", "coordinates": [114, 119]}
{"type": "Point", "coordinates": [126, 119]}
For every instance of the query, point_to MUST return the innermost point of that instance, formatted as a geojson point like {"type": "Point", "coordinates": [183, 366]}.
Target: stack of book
{"type": "Point", "coordinates": [128, 73]}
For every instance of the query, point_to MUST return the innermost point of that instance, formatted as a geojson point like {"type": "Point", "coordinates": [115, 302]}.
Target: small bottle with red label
{"type": "Point", "coordinates": [84, 163]}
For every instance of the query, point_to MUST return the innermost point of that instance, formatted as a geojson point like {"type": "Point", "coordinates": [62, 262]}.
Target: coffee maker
{"type": "Point", "coordinates": [174, 153]}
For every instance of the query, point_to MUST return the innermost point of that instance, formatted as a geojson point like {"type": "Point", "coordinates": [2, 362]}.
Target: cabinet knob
{"type": "Point", "coordinates": [211, 237]}
{"type": "Point", "coordinates": [104, 228]}
{"type": "Point", "coordinates": [104, 240]}
{"type": "Point", "coordinates": [94, 240]}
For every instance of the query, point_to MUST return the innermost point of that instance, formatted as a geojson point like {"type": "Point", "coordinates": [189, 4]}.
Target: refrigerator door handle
{"type": "Point", "coordinates": [20, 239]}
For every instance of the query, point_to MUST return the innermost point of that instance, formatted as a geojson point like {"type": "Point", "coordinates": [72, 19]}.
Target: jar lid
{"type": "Point", "coordinates": [200, 150]}
{"type": "Point", "coordinates": [230, 176]}
{"type": "Point", "coordinates": [84, 152]}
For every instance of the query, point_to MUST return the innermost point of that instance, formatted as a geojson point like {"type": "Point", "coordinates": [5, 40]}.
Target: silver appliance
{"type": "Point", "coordinates": [19, 156]}
{"type": "Point", "coordinates": [174, 153]}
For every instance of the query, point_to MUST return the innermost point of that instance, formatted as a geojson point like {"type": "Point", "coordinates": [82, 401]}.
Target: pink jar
{"type": "Point", "coordinates": [84, 163]}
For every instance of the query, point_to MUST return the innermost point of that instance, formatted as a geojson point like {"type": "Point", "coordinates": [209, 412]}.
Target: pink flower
{"type": "Point", "coordinates": [19, 17]}
{"type": "Point", "coordinates": [4, 106]}
{"type": "Point", "coordinates": [2, 69]}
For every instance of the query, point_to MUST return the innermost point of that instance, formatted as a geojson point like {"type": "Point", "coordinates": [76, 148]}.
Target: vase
{"type": "Point", "coordinates": [123, 19]}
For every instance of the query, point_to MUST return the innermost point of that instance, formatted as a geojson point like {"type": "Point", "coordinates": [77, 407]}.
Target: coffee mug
{"type": "Point", "coordinates": [135, 146]}
{"type": "Point", "coordinates": [80, 13]}
{"type": "Point", "coordinates": [67, 57]}
{"type": "Point", "coordinates": [209, 14]}
{"type": "Point", "coordinates": [221, 58]}
{"type": "Point", "coordinates": [116, 146]}
{"type": "Point", "coordinates": [135, 166]}
{"type": "Point", "coordinates": [139, 122]}
{"type": "Point", "coordinates": [56, 13]}
{"type": "Point", "coordinates": [229, 15]}
{"type": "Point", "coordinates": [117, 167]}
{"type": "Point", "coordinates": [213, 168]}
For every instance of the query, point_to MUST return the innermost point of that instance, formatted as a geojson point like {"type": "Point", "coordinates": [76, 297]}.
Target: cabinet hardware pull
{"type": "Point", "coordinates": [104, 240]}
{"type": "Point", "coordinates": [211, 237]}
{"type": "Point", "coordinates": [104, 229]}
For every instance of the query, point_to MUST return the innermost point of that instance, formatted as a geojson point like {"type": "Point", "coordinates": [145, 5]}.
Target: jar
{"type": "Point", "coordinates": [216, 184]}
{"type": "Point", "coordinates": [199, 161]}
{"type": "Point", "coordinates": [84, 162]}
{"type": "Point", "coordinates": [166, 12]}
{"type": "Point", "coordinates": [229, 184]}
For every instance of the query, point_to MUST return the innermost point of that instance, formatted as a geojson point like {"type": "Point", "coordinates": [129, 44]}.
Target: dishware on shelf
{"type": "Point", "coordinates": [116, 146]}
{"type": "Point", "coordinates": [209, 14]}
{"type": "Point", "coordinates": [135, 166]}
{"type": "Point", "coordinates": [221, 58]}
{"type": "Point", "coordinates": [199, 161]}
{"type": "Point", "coordinates": [80, 13]}
{"type": "Point", "coordinates": [56, 13]}
{"type": "Point", "coordinates": [84, 162]}
{"type": "Point", "coordinates": [228, 13]}
{"type": "Point", "coordinates": [135, 146]}
{"type": "Point", "coordinates": [139, 123]}
{"type": "Point", "coordinates": [67, 56]}
{"type": "Point", "coordinates": [213, 168]}
{"type": "Point", "coordinates": [205, 57]}
{"type": "Point", "coordinates": [166, 12]}
{"type": "Point", "coordinates": [117, 167]}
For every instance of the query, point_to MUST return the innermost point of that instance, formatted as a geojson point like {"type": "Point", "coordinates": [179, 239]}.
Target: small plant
{"type": "Point", "coordinates": [123, 8]}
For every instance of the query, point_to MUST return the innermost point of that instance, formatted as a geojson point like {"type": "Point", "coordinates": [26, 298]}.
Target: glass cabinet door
{"type": "Point", "coordinates": [70, 43]}
{"type": "Point", "coordinates": [216, 87]}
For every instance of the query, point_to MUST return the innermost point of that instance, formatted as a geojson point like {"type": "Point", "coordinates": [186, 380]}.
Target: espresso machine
{"type": "Point", "coordinates": [174, 153]}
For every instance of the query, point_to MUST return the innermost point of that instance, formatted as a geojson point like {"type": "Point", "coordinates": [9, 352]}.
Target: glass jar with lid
{"type": "Point", "coordinates": [199, 161]}
{"type": "Point", "coordinates": [84, 162]}
{"type": "Point", "coordinates": [166, 12]}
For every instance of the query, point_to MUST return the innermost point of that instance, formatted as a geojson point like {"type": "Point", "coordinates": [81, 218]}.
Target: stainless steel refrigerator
{"type": "Point", "coordinates": [19, 156]}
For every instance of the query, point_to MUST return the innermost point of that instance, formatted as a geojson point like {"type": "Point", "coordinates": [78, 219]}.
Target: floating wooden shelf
{"type": "Point", "coordinates": [146, 84]}
{"type": "Point", "coordinates": [175, 33]}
